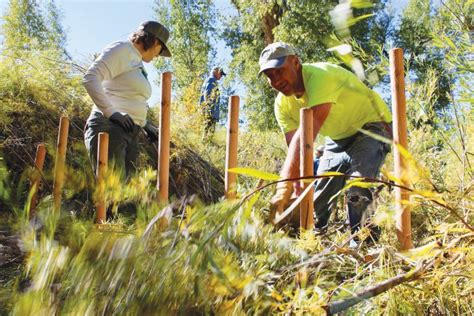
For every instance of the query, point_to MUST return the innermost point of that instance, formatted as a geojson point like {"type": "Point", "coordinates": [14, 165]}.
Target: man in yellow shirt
{"type": "Point", "coordinates": [341, 106]}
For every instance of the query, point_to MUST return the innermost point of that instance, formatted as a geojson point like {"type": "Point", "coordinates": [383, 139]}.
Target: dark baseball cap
{"type": "Point", "coordinates": [160, 33]}
{"type": "Point", "coordinates": [220, 70]}
{"type": "Point", "coordinates": [274, 55]}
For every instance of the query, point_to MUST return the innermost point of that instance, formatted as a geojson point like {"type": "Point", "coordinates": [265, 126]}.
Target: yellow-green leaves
{"type": "Point", "coordinates": [256, 173]}
{"type": "Point", "coordinates": [359, 183]}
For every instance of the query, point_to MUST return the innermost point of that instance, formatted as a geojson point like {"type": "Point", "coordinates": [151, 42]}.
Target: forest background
{"type": "Point", "coordinates": [237, 262]}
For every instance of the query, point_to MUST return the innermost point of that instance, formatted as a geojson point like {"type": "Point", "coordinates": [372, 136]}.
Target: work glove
{"type": "Point", "coordinates": [280, 199]}
{"type": "Point", "coordinates": [151, 132]}
{"type": "Point", "coordinates": [124, 120]}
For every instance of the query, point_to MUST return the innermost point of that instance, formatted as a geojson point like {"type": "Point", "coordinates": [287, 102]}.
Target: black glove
{"type": "Point", "coordinates": [124, 120]}
{"type": "Point", "coordinates": [151, 132]}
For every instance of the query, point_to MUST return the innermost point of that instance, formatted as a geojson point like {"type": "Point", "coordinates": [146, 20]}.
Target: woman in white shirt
{"type": "Point", "coordinates": [119, 87]}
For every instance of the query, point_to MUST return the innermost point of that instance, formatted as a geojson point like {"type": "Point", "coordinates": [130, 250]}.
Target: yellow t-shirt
{"type": "Point", "coordinates": [353, 103]}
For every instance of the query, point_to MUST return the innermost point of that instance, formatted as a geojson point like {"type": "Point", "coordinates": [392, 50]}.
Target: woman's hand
{"type": "Point", "coordinates": [124, 120]}
{"type": "Point", "coordinates": [151, 132]}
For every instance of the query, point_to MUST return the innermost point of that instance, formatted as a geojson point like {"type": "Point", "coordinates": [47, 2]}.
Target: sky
{"type": "Point", "coordinates": [91, 25]}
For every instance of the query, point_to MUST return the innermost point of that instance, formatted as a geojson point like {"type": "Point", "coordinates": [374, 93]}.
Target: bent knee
{"type": "Point", "coordinates": [359, 198]}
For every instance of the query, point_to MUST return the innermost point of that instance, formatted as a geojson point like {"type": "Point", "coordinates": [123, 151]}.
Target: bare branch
{"type": "Point", "coordinates": [377, 289]}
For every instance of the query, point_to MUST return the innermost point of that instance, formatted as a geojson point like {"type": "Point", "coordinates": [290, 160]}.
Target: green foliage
{"type": "Point", "coordinates": [310, 27]}
{"type": "Point", "coordinates": [37, 86]}
{"type": "Point", "coordinates": [422, 27]}
{"type": "Point", "coordinates": [244, 34]}
{"type": "Point", "coordinates": [191, 24]}
{"type": "Point", "coordinates": [5, 195]}
{"type": "Point", "coordinates": [306, 25]}
{"type": "Point", "coordinates": [224, 259]}
{"type": "Point", "coordinates": [190, 258]}
{"type": "Point", "coordinates": [33, 69]}
{"type": "Point", "coordinates": [56, 35]}
{"type": "Point", "coordinates": [26, 27]}
{"type": "Point", "coordinates": [255, 173]}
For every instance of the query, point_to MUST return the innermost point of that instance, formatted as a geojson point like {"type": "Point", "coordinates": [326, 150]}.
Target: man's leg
{"type": "Point", "coordinates": [326, 189]}
{"type": "Point", "coordinates": [367, 156]}
{"type": "Point", "coordinates": [211, 127]}
{"type": "Point", "coordinates": [207, 125]}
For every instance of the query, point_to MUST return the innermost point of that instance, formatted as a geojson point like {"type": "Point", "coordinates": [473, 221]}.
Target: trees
{"type": "Point", "coordinates": [305, 24]}
{"type": "Point", "coordinates": [191, 25]}
{"type": "Point", "coordinates": [56, 35]}
{"type": "Point", "coordinates": [436, 38]}
{"type": "Point", "coordinates": [27, 27]}
{"type": "Point", "coordinates": [247, 34]}
{"type": "Point", "coordinates": [24, 25]}
{"type": "Point", "coordinates": [36, 85]}
{"type": "Point", "coordinates": [416, 37]}
{"type": "Point", "coordinates": [34, 65]}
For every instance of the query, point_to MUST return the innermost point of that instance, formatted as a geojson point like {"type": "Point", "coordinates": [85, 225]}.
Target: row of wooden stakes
{"type": "Point", "coordinates": [403, 217]}
{"type": "Point", "coordinates": [102, 157]}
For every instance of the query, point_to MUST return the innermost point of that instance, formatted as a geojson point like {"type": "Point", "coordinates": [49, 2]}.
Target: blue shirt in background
{"type": "Point", "coordinates": [210, 97]}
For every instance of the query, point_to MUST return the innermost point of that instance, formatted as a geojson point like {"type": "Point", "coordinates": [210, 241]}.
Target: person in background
{"type": "Point", "coordinates": [317, 158]}
{"type": "Point", "coordinates": [210, 100]}
{"type": "Point", "coordinates": [118, 85]}
{"type": "Point", "coordinates": [341, 106]}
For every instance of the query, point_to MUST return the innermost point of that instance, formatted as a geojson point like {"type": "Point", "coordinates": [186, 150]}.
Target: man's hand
{"type": "Point", "coordinates": [124, 120]}
{"type": "Point", "coordinates": [151, 132]}
{"type": "Point", "coordinates": [280, 199]}
{"type": "Point", "coordinates": [297, 188]}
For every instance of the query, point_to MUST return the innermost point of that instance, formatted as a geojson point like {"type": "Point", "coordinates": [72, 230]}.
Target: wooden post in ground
{"type": "Point", "coordinates": [164, 139]}
{"type": "Point", "coordinates": [403, 212]}
{"type": "Point", "coordinates": [60, 163]}
{"type": "Point", "coordinates": [231, 150]}
{"type": "Point", "coordinates": [306, 167]}
{"type": "Point", "coordinates": [101, 173]}
{"type": "Point", "coordinates": [36, 176]}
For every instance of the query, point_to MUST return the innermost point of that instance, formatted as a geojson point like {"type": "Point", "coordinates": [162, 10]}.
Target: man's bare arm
{"type": "Point", "coordinates": [289, 136]}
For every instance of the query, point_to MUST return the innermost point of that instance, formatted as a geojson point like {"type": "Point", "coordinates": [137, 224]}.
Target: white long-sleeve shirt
{"type": "Point", "coordinates": [116, 82]}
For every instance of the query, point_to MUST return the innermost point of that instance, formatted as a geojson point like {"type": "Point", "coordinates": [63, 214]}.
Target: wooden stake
{"type": "Point", "coordinates": [164, 139]}
{"type": "Point", "coordinates": [60, 163]}
{"type": "Point", "coordinates": [101, 173]}
{"type": "Point", "coordinates": [403, 212]}
{"type": "Point", "coordinates": [306, 167]}
{"type": "Point", "coordinates": [231, 150]}
{"type": "Point", "coordinates": [36, 176]}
